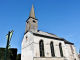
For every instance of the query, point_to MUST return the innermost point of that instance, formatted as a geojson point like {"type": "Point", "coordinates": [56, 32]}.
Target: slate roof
{"type": "Point", "coordinates": [50, 35]}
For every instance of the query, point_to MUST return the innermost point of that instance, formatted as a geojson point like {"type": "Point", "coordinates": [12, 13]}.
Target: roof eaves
{"type": "Point", "coordinates": [61, 39]}
{"type": "Point", "coordinates": [47, 36]}
{"type": "Point", "coordinates": [67, 42]}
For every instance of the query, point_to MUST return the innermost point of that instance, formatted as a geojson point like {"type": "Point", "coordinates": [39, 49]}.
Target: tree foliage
{"type": "Point", "coordinates": [11, 54]}
{"type": "Point", "coordinates": [18, 56]}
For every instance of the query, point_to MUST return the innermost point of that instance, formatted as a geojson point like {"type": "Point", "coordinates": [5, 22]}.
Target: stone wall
{"type": "Point", "coordinates": [47, 47]}
{"type": "Point", "coordinates": [30, 49]}
{"type": "Point", "coordinates": [49, 58]}
{"type": "Point", "coordinates": [27, 47]}
{"type": "Point", "coordinates": [72, 52]}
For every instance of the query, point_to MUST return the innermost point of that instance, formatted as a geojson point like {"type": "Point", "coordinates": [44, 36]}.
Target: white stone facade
{"type": "Point", "coordinates": [30, 49]}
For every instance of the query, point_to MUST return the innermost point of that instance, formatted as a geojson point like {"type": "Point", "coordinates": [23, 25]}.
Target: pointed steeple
{"type": "Point", "coordinates": [32, 14]}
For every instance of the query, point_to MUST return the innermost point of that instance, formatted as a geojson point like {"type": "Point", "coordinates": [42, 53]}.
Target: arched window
{"type": "Point", "coordinates": [60, 48]}
{"type": "Point", "coordinates": [52, 49]}
{"type": "Point", "coordinates": [41, 46]}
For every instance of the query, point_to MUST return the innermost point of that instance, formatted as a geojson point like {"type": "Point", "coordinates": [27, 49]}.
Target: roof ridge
{"type": "Point", "coordinates": [46, 32]}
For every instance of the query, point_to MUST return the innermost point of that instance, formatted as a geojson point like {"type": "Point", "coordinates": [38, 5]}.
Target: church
{"type": "Point", "coordinates": [39, 45]}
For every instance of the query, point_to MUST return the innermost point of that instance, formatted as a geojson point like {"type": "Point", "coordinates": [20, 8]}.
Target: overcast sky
{"type": "Point", "coordinates": [60, 17]}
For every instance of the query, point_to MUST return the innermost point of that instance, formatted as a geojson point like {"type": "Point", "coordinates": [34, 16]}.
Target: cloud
{"type": "Point", "coordinates": [71, 35]}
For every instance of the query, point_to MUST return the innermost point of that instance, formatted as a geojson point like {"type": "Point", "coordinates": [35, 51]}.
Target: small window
{"type": "Point", "coordinates": [34, 21]}
{"type": "Point", "coordinates": [26, 38]}
{"type": "Point", "coordinates": [27, 21]}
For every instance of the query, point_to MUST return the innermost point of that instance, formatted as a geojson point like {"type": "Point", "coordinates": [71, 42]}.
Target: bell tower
{"type": "Point", "coordinates": [32, 22]}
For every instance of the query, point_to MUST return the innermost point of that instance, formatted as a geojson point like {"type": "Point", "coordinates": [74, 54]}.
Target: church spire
{"type": "Point", "coordinates": [32, 14]}
{"type": "Point", "coordinates": [32, 22]}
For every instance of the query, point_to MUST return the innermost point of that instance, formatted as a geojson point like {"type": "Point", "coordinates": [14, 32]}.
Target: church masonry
{"type": "Point", "coordinates": [39, 45]}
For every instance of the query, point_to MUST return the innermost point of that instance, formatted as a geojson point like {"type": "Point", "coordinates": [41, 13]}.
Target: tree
{"type": "Point", "coordinates": [18, 57]}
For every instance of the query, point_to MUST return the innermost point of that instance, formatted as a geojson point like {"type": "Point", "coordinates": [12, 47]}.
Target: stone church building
{"type": "Point", "coordinates": [39, 45]}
